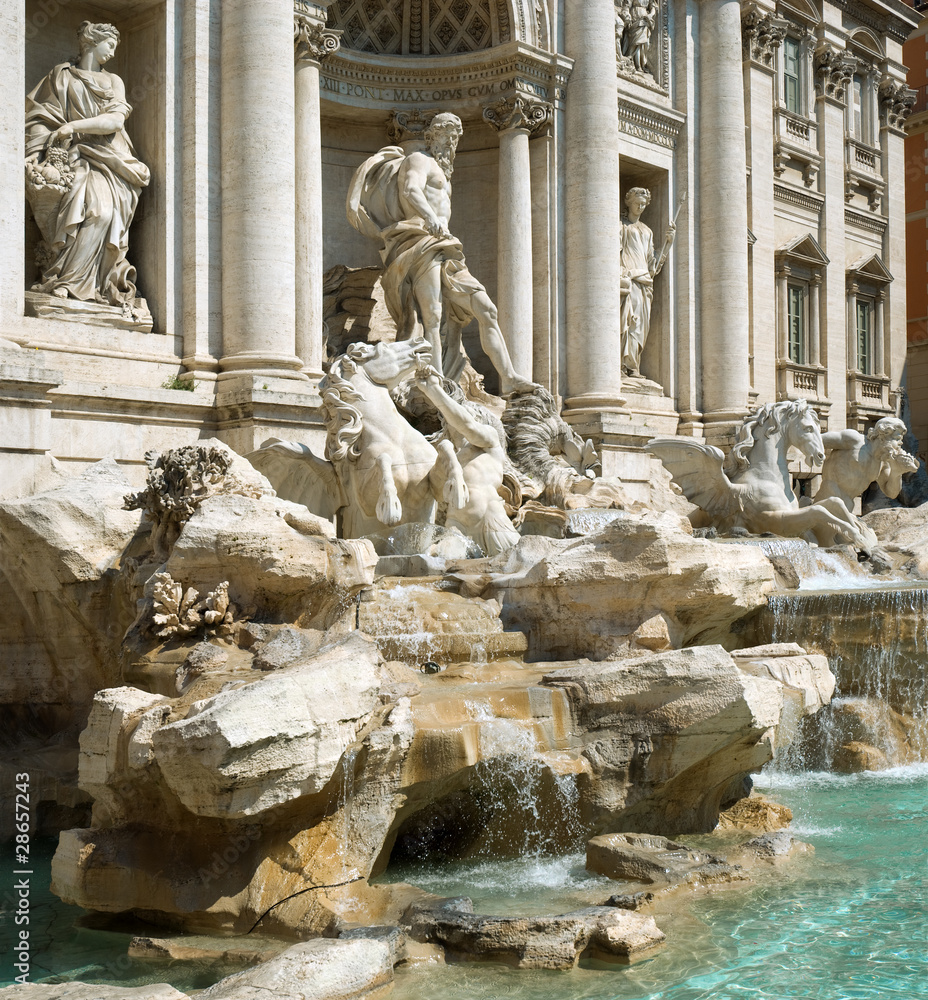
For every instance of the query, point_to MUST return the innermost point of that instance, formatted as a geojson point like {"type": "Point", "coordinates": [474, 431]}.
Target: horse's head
{"type": "Point", "coordinates": [803, 431]}
{"type": "Point", "coordinates": [387, 364]}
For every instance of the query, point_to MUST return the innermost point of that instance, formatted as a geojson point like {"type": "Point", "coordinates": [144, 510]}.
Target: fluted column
{"type": "Point", "coordinates": [594, 333]}
{"type": "Point", "coordinates": [12, 153]}
{"type": "Point", "coordinates": [258, 288]}
{"type": "Point", "coordinates": [515, 118]}
{"type": "Point", "coordinates": [313, 43]}
{"type": "Point", "coordinates": [723, 217]}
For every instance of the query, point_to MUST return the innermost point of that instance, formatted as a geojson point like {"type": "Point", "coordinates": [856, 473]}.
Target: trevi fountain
{"type": "Point", "coordinates": [460, 534]}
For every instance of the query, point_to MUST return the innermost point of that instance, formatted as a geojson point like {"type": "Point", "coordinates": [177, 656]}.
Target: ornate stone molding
{"type": "Point", "coordinates": [834, 69]}
{"type": "Point", "coordinates": [648, 124]}
{"type": "Point", "coordinates": [364, 81]}
{"type": "Point", "coordinates": [517, 112]}
{"type": "Point", "coordinates": [761, 34]}
{"type": "Point", "coordinates": [403, 125]}
{"type": "Point", "coordinates": [312, 40]}
{"type": "Point", "coordinates": [860, 220]}
{"type": "Point", "coordinates": [896, 103]}
{"type": "Point", "coordinates": [803, 199]}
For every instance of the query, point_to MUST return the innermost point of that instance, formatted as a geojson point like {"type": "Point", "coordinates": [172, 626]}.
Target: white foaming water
{"type": "Point", "coordinates": [818, 569]}
{"type": "Point", "coordinates": [772, 780]}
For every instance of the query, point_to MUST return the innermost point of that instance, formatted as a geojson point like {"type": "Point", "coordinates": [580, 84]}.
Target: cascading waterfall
{"type": "Point", "coordinates": [536, 803]}
{"type": "Point", "coordinates": [877, 644]}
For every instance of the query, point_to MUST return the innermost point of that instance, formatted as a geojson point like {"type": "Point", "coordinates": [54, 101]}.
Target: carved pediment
{"type": "Point", "coordinates": [804, 249]}
{"type": "Point", "coordinates": [869, 269]}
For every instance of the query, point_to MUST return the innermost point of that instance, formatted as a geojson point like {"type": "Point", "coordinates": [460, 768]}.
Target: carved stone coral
{"type": "Point", "coordinates": [180, 480]}
{"type": "Point", "coordinates": [517, 112]}
{"type": "Point", "coordinates": [178, 612]}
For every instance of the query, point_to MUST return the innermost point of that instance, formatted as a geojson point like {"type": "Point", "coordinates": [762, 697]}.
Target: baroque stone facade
{"type": "Point", "coordinates": [786, 278]}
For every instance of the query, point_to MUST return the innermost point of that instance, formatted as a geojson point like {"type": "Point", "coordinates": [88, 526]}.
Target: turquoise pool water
{"type": "Point", "coordinates": [847, 923]}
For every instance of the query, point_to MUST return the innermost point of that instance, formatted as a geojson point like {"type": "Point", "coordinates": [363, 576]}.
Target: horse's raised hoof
{"type": "Point", "coordinates": [389, 509]}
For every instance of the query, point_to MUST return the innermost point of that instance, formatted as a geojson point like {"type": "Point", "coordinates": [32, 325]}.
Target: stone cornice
{"type": "Point", "coordinates": [804, 199]}
{"type": "Point", "coordinates": [650, 124]}
{"type": "Point", "coordinates": [862, 220]}
{"type": "Point", "coordinates": [898, 19]}
{"type": "Point", "coordinates": [459, 83]}
{"type": "Point", "coordinates": [517, 112]}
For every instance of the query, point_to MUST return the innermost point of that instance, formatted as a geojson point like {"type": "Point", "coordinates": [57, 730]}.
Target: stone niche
{"type": "Point", "coordinates": [657, 358]}
{"type": "Point", "coordinates": [145, 60]}
{"type": "Point", "coordinates": [346, 143]}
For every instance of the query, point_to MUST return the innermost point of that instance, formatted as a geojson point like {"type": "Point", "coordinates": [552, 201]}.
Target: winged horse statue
{"type": "Point", "coordinates": [756, 494]}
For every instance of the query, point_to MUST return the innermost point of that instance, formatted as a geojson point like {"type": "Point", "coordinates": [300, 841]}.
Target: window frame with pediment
{"type": "Point", "coordinates": [800, 273]}
{"type": "Point", "coordinates": [796, 128]}
{"type": "Point", "coordinates": [868, 281]}
{"type": "Point", "coordinates": [864, 162]}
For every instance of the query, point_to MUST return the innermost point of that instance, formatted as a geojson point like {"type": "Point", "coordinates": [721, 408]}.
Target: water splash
{"type": "Point", "coordinates": [817, 569]}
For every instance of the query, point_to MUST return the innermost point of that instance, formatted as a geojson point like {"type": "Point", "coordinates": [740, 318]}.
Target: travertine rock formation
{"type": "Point", "coordinates": [543, 942]}
{"type": "Point", "coordinates": [313, 970]}
{"type": "Point", "coordinates": [642, 581]}
{"type": "Point", "coordinates": [666, 735]}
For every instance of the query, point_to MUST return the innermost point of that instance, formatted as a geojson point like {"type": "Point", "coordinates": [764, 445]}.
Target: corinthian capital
{"type": "Point", "coordinates": [834, 69]}
{"type": "Point", "coordinates": [517, 111]}
{"type": "Point", "coordinates": [312, 40]}
{"type": "Point", "coordinates": [896, 103]}
{"type": "Point", "coordinates": [761, 34]}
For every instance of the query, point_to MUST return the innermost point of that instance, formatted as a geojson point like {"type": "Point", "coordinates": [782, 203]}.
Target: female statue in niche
{"type": "Point", "coordinates": [639, 266]}
{"type": "Point", "coordinates": [82, 177]}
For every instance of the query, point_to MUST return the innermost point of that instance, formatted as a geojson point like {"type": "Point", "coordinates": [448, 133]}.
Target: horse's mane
{"type": "Point", "coordinates": [343, 421]}
{"type": "Point", "coordinates": [768, 419]}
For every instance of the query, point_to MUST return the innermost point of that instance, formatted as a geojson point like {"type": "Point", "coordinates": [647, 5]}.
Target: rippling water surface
{"type": "Point", "coordinates": [847, 923]}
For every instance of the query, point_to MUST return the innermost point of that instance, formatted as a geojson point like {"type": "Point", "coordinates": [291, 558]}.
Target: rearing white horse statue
{"type": "Point", "coordinates": [759, 496]}
{"type": "Point", "coordinates": [378, 469]}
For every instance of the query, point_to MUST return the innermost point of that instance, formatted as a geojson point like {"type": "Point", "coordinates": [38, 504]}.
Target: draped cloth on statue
{"type": "Point", "coordinates": [410, 251]}
{"type": "Point", "coordinates": [87, 230]}
{"type": "Point", "coordinates": [638, 262]}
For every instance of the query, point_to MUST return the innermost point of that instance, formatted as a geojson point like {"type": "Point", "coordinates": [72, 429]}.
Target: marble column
{"type": "Point", "coordinates": [762, 35]}
{"type": "Point", "coordinates": [723, 216]}
{"type": "Point", "coordinates": [258, 194]}
{"type": "Point", "coordinates": [516, 118]}
{"type": "Point", "coordinates": [313, 42]}
{"type": "Point", "coordinates": [833, 72]}
{"type": "Point", "coordinates": [201, 214]}
{"type": "Point", "coordinates": [815, 324]}
{"type": "Point", "coordinates": [852, 354]}
{"type": "Point", "coordinates": [13, 88]}
{"type": "Point", "coordinates": [879, 355]}
{"type": "Point", "coordinates": [592, 211]}
{"type": "Point", "coordinates": [782, 276]}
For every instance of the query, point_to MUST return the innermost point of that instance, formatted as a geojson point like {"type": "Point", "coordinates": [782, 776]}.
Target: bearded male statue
{"type": "Point", "coordinates": [403, 198]}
